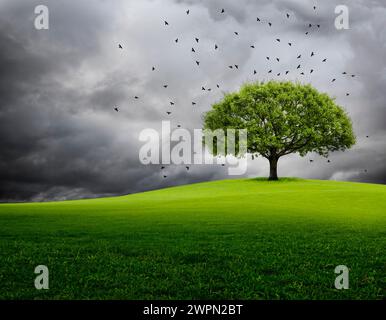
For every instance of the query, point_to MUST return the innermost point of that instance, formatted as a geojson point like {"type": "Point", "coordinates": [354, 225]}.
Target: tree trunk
{"type": "Point", "coordinates": [273, 168]}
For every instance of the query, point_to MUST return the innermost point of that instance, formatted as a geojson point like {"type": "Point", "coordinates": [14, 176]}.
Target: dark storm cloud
{"type": "Point", "coordinates": [61, 138]}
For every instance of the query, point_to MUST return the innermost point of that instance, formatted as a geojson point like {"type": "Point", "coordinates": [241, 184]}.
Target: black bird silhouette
{"type": "Point", "coordinates": [310, 25]}
{"type": "Point", "coordinates": [171, 103]}
{"type": "Point", "coordinates": [187, 168]}
{"type": "Point", "coordinates": [267, 58]}
{"type": "Point", "coordinates": [178, 126]}
{"type": "Point", "coordinates": [136, 97]}
{"type": "Point", "coordinates": [198, 63]}
{"type": "Point", "coordinates": [162, 167]}
{"type": "Point", "coordinates": [311, 160]}
{"type": "Point", "coordinates": [344, 72]}
{"type": "Point", "coordinates": [120, 46]}
{"type": "Point", "coordinates": [314, 7]}
{"type": "Point", "coordinates": [166, 23]}
{"type": "Point", "coordinates": [277, 59]}
{"type": "Point", "coordinates": [367, 136]}
{"type": "Point", "coordinates": [328, 161]}
{"type": "Point", "coordinates": [254, 71]}
{"type": "Point", "coordinates": [299, 56]}
{"type": "Point", "coordinates": [168, 112]}
{"type": "Point", "coordinates": [165, 176]}
{"type": "Point", "coordinates": [197, 39]}
{"type": "Point", "coordinates": [230, 67]}
{"type": "Point", "coordinates": [153, 68]}
{"type": "Point", "coordinates": [270, 71]}
{"type": "Point", "coordinates": [312, 54]}
{"type": "Point", "coordinates": [365, 170]}
{"type": "Point", "coordinates": [257, 19]}
{"type": "Point", "coordinates": [270, 24]}
{"type": "Point", "coordinates": [223, 164]}
{"type": "Point", "coordinates": [193, 50]}
{"type": "Point", "coordinates": [288, 15]}
{"type": "Point", "coordinates": [347, 94]}
{"type": "Point", "coordinates": [324, 60]}
{"type": "Point", "coordinates": [236, 66]}
{"type": "Point", "coordinates": [290, 44]}
{"type": "Point", "coordinates": [302, 73]}
{"type": "Point", "coordinates": [215, 47]}
{"type": "Point", "coordinates": [165, 86]}
{"type": "Point", "coordinates": [353, 75]}
{"type": "Point", "coordinates": [193, 103]}
{"type": "Point", "coordinates": [222, 10]}
{"type": "Point", "coordinates": [217, 85]}
{"type": "Point", "coordinates": [298, 67]}
{"type": "Point", "coordinates": [278, 74]}
{"type": "Point", "coordinates": [116, 109]}
{"type": "Point", "coordinates": [187, 11]}
{"type": "Point", "coordinates": [287, 72]}
{"type": "Point", "coordinates": [236, 33]}
{"type": "Point", "coordinates": [176, 40]}
{"type": "Point", "coordinates": [278, 40]}
{"type": "Point", "coordinates": [253, 47]}
{"type": "Point", "coordinates": [306, 32]}
{"type": "Point", "coordinates": [202, 88]}
{"type": "Point", "coordinates": [312, 70]}
{"type": "Point", "coordinates": [333, 80]}
{"type": "Point", "coordinates": [209, 89]}
{"type": "Point", "coordinates": [318, 25]}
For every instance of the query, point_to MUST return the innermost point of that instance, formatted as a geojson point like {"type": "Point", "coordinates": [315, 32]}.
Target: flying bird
{"type": "Point", "coordinates": [270, 71]}
{"type": "Point", "coordinates": [312, 54]}
{"type": "Point", "coordinates": [197, 39]}
{"type": "Point", "coordinates": [165, 86]}
{"type": "Point", "coordinates": [236, 33]}
{"type": "Point", "coordinates": [198, 63]}
{"type": "Point", "coordinates": [171, 103]}
{"type": "Point", "coordinates": [277, 59]}
{"type": "Point", "coordinates": [312, 70]}
{"type": "Point", "coordinates": [136, 97]}
{"type": "Point", "coordinates": [287, 72]}
{"type": "Point", "coordinates": [236, 66]}
{"type": "Point", "coordinates": [193, 103]}
{"type": "Point", "coordinates": [153, 68]}
{"type": "Point", "coordinates": [202, 88]}
{"type": "Point", "coordinates": [168, 112]}
{"type": "Point", "coordinates": [217, 85]}
{"type": "Point", "coordinates": [253, 47]}
{"type": "Point", "coordinates": [290, 44]}
{"type": "Point", "coordinates": [120, 46]}
{"type": "Point", "coordinates": [230, 67]}
{"type": "Point", "coordinates": [333, 80]}
{"type": "Point", "coordinates": [187, 11]}
{"type": "Point", "coordinates": [193, 50]}
{"type": "Point", "coordinates": [324, 60]}
{"type": "Point", "coordinates": [298, 67]}
{"type": "Point", "coordinates": [215, 47]}
{"type": "Point", "coordinates": [222, 10]}
{"type": "Point", "coordinates": [176, 40]}
{"type": "Point", "coordinates": [254, 71]}
{"type": "Point", "coordinates": [257, 19]}
{"type": "Point", "coordinates": [299, 56]}
{"type": "Point", "coordinates": [267, 58]}
{"type": "Point", "coordinates": [270, 24]}
{"type": "Point", "coordinates": [278, 40]}
{"type": "Point", "coordinates": [116, 109]}
{"type": "Point", "coordinates": [288, 15]}
{"type": "Point", "coordinates": [187, 168]}
{"type": "Point", "coordinates": [166, 23]}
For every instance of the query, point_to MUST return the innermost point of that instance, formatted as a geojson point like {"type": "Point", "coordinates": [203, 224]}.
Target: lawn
{"type": "Point", "coordinates": [231, 239]}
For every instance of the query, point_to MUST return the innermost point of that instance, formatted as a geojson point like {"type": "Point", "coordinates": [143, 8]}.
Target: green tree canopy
{"type": "Point", "coordinates": [283, 118]}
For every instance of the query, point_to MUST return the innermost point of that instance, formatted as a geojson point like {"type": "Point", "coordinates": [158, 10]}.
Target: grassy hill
{"type": "Point", "coordinates": [233, 239]}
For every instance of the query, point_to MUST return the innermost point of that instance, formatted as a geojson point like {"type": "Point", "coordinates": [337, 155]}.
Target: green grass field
{"type": "Point", "coordinates": [232, 239]}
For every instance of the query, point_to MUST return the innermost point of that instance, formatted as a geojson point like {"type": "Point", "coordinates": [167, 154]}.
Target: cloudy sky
{"type": "Point", "coordinates": [61, 138]}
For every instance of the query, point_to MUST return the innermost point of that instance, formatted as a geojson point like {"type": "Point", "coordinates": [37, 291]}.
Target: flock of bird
{"type": "Point", "coordinates": [270, 71]}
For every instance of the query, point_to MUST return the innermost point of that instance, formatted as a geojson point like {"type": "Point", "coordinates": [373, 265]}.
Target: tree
{"type": "Point", "coordinates": [283, 118]}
